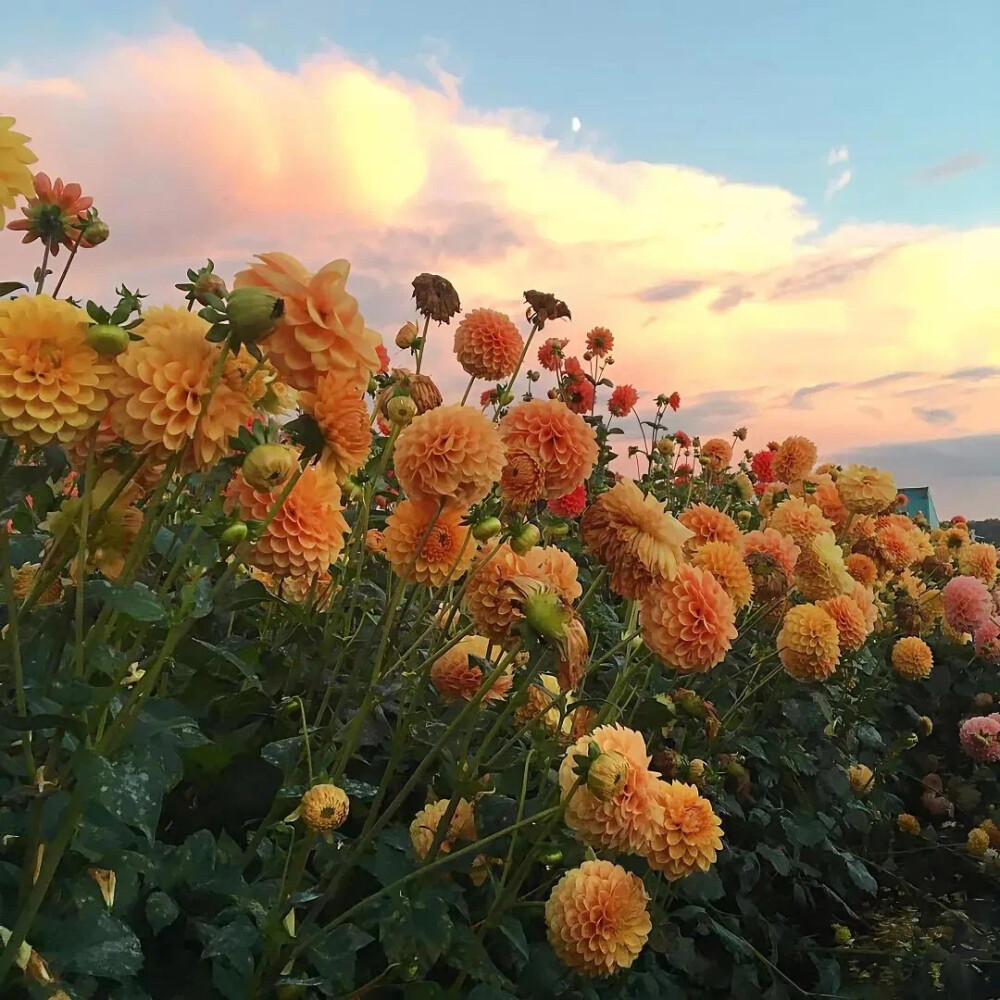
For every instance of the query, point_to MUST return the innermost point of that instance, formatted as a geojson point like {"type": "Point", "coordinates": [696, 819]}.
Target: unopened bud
{"type": "Point", "coordinates": [253, 313]}
{"type": "Point", "coordinates": [401, 410]}
{"type": "Point", "coordinates": [96, 231]}
{"type": "Point", "coordinates": [925, 725]}
{"type": "Point", "coordinates": [268, 466]}
{"type": "Point", "coordinates": [696, 770]}
{"type": "Point", "coordinates": [407, 334]}
{"type": "Point", "coordinates": [607, 775]}
{"type": "Point", "coordinates": [665, 446]}
{"type": "Point", "coordinates": [486, 529]}
{"type": "Point", "coordinates": [547, 615]}
{"type": "Point", "coordinates": [107, 339]}
{"type": "Point", "coordinates": [233, 534]}
{"type": "Point", "coordinates": [526, 539]}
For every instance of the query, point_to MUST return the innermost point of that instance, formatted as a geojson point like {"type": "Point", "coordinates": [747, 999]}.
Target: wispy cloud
{"type": "Point", "coordinates": [963, 163]}
{"type": "Point", "coordinates": [802, 398]}
{"type": "Point", "coordinates": [838, 183]}
{"type": "Point", "coordinates": [930, 415]}
{"type": "Point", "coordinates": [670, 291]}
{"type": "Point", "coordinates": [839, 154]}
{"type": "Point", "coordinates": [976, 374]}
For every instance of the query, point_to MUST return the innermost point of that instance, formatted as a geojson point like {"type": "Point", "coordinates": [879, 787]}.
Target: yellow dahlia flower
{"type": "Point", "coordinates": [865, 489]}
{"type": "Point", "coordinates": [725, 563]}
{"type": "Point", "coordinates": [820, 572]}
{"type": "Point", "coordinates": [912, 658]}
{"type": "Point", "coordinates": [342, 416]}
{"type": "Point", "coordinates": [53, 385]}
{"type": "Point", "coordinates": [541, 703]}
{"type": "Point", "coordinates": [978, 559]}
{"type": "Point", "coordinates": [324, 808]}
{"type": "Point", "coordinates": [15, 177]}
{"type": "Point", "coordinates": [427, 822]}
{"type": "Point", "coordinates": [686, 835]}
{"type": "Point", "coordinates": [861, 778]}
{"type": "Point", "coordinates": [808, 643]}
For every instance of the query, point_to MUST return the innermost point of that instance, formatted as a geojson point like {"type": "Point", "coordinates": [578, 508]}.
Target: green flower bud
{"type": "Point", "coordinates": [550, 855]}
{"type": "Point", "coordinates": [487, 528]}
{"type": "Point", "coordinates": [208, 283]}
{"type": "Point", "coordinates": [401, 410]}
{"type": "Point", "coordinates": [106, 339]}
{"type": "Point", "coordinates": [96, 231]}
{"type": "Point", "coordinates": [268, 466]}
{"type": "Point", "coordinates": [234, 534]}
{"type": "Point", "coordinates": [842, 934]}
{"type": "Point", "coordinates": [559, 529]}
{"type": "Point", "coordinates": [526, 539]}
{"type": "Point", "coordinates": [547, 615]}
{"type": "Point", "coordinates": [253, 313]}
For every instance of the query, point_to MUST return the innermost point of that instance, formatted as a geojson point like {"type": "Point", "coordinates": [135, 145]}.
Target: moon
{"type": "Point", "coordinates": [575, 124]}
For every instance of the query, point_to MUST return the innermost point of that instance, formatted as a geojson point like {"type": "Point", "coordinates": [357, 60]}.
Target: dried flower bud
{"type": "Point", "coordinates": [543, 306]}
{"type": "Point", "coordinates": [408, 333]}
{"type": "Point", "coordinates": [268, 466]}
{"type": "Point", "coordinates": [436, 297]}
{"type": "Point", "coordinates": [696, 770]}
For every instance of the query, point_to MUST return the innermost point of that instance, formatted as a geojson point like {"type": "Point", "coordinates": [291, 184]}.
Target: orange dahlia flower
{"type": "Point", "coordinates": [316, 590]}
{"type": "Point", "coordinates": [635, 536]}
{"type": "Point", "coordinates": [340, 412]}
{"type": "Point", "coordinates": [896, 545]}
{"type": "Point", "coordinates": [557, 568]}
{"type": "Point", "coordinates": [572, 654]}
{"type": "Point", "coordinates": [451, 453]}
{"type": "Point", "coordinates": [448, 546]}
{"type": "Point", "coordinates": [618, 823]}
{"type": "Point", "coordinates": [163, 384]}
{"type": "Point", "coordinates": [306, 534]}
{"type": "Point", "coordinates": [596, 918]}
{"type": "Point", "coordinates": [321, 329]}
{"type": "Point", "coordinates": [820, 572]}
{"type": "Point", "coordinates": [487, 344]}
{"type": "Point", "coordinates": [725, 563]}
{"type": "Point", "coordinates": [912, 658]}
{"type": "Point", "coordinates": [541, 703]}
{"type": "Point", "coordinates": [715, 454]}
{"type": "Point", "coordinates": [686, 836]}
{"type": "Point", "coordinates": [455, 676]}
{"type": "Point", "coordinates": [489, 600]}
{"type": "Point", "coordinates": [709, 525]}
{"type": "Point", "coordinates": [866, 490]}
{"type": "Point", "coordinates": [55, 215]}
{"type": "Point", "coordinates": [808, 643]}
{"type": "Point", "coordinates": [799, 519]}
{"type": "Point", "coordinates": [826, 497]}
{"type": "Point", "coordinates": [862, 568]}
{"type": "Point", "coordinates": [793, 460]}
{"type": "Point", "coordinates": [780, 547]}
{"type": "Point", "coordinates": [852, 627]}
{"type": "Point", "coordinates": [979, 559]}
{"type": "Point", "coordinates": [522, 481]}
{"type": "Point", "coordinates": [600, 342]}
{"type": "Point", "coordinates": [53, 385]}
{"type": "Point", "coordinates": [427, 822]}
{"type": "Point", "coordinates": [561, 442]}
{"type": "Point", "coordinates": [865, 599]}
{"type": "Point", "coordinates": [689, 621]}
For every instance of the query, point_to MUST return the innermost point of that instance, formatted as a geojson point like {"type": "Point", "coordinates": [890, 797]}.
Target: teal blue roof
{"type": "Point", "coordinates": [920, 501]}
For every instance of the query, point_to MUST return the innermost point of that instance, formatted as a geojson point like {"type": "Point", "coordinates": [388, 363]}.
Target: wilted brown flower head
{"type": "Point", "coordinates": [421, 388]}
{"type": "Point", "coordinates": [436, 297]}
{"type": "Point", "coordinates": [543, 306]}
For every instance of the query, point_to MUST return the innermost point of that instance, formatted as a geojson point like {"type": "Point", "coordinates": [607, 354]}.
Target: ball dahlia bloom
{"type": "Point", "coordinates": [455, 676]}
{"type": "Point", "coordinates": [686, 836]}
{"type": "Point", "coordinates": [820, 572]}
{"type": "Point", "coordinates": [772, 543]}
{"type": "Point", "coordinates": [709, 525]}
{"type": "Point", "coordinates": [912, 658]}
{"type": "Point", "coordinates": [427, 822]}
{"type": "Point", "coordinates": [762, 466]}
{"type": "Point", "coordinates": [163, 386]}
{"type": "Point", "coordinates": [689, 621]}
{"type": "Point", "coordinates": [622, 401]}
{"type": "Point", "coordinates": [600, 342]}
{"type": "Point", "coordinates": [896, 545]}
{"type": "Point", "coordinates": [794, 459]}
{"type": "Point", "coordinates": [715, 454]}
{"type": "Point", "coordinates": [321, 329]}
{"type": "Point", "coordinates": [489, 600]}
{"type": "Point", "coordinates": [619, 822]}
{"type": "Point", "coordinates": [487, 344]}
{"type": "Point", "coordinates": [556, 568]}
{"type": "Point", "coordinates": [560, 442]}
{"type": "Point", "coordinates": [451, 453]}
{"type": "Point", "coordinates": [340, 412]}
{"type": "Point", "coordinates": [826, 497]}
{"type": "Point", "coordinates": [596, 918]}
{"type": "Point", "coordinates": [808, 643]}
{"type": "Point", "coordinates": [862, 568]}
{"type": "Point", "coordinates": [53, 385]}
{"type": "Point", "coordinates": [799, 519]}
{"type": "Point", "coordinates": [967, 603]}
{"type": "Point", "coordinates": [980, 738]}
{"type": "Point", "coordinates": [987, 641]}
{"type": "Point", "coordinates": [522, 480]}
{"type": "Point", "coordinates": [635, 536]}
{"type": "Point", "coordinates": [978, 559]}
{"type": "Point", "coordinates": [447, 548]}
{"type": "Point", "coordinates": [541, 703]}
{"type": "Point", "coordinates": [725, 563]}
{"type": "Point", "coordinates": [306, 534]}
{"type": "Point", "coordinates": [852, 626]}
{"type": "Point", "coordinates": [15, 157]}
{"type": "Point", "coordinates": [571, 505]}
{"type": "Point", "coordinates": [865, 489]}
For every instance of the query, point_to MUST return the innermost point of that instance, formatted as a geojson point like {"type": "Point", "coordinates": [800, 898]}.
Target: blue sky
{"type": "Point", "coordinates": [757, 92]}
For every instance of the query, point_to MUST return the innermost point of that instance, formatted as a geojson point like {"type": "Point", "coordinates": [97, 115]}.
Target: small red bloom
{"type": "Point", "coordinates": [383, 357]}
{"type": "Point", "coordinates": [570, 505]}
{"type": "Point", "coordinates": [488, 398]}
{"type": "Point", "coordinates": [578, 394]}
{"type": "Point", "coordinates": [682, 439]}
{"type": "Point", "coordinates": [550, 353]}
{"type": "Point", "coordinates": [622, 400]}
{"type": "Point", "coordinates": [674, 401]}
{"type": "Point", "coordinates": [573, 367]}
{"type": "Point", "coordinates": [760, 465]}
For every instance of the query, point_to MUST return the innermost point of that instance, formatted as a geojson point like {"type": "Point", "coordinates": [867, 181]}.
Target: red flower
{"type": "Point", "coordinates": [578, 394]}
{"type": "Point", "coordinates": [674, 401]}
{"type": "Point", "coordinates": [570, 505]}
{"type": "Point", "coordinates": [488, 398]}
{"type": "Point", "coordinates": [622, 400]}
{"type": "Point", "coordinates": [682, 439]}
{"type": "Point", "coordinates": [550, 353]}
{"type": "Point", "coordinates": [760, 465]}
{"type": "Point", "coordinates": [573, 368]}
{"type": "Point", "coordinates": [383, 356]}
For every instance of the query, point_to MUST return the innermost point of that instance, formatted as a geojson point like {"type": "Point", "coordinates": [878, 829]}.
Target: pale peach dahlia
{"type": "Point", "coordinates": [689, 621]}
{"type": "Point", "coordinates": [865, 489]}
{"type": "Point", "coordinates": [427, 822]}
{"type": "Point", "coordinates": [307, 533]}
{"type": "Point", "coordinates": [53, 385]}
{"type": "Point", "coordinates": [709, 525]}
{"type": "Point", "coordinates": [489, 600]}
{"type": "Point", "coordinates": [638, 539]}
{"type": "Point", "coordinates": [340, 412]}
{"type": "Point", "coordinates": [451, 453]}
{"type": "Point", "coordinates": [561, 442]}
{"type": "Point", "coordinates": [799, 519]}
{"type": "Point", "coordinates": [808, 643]}
{"type": "Point", "coordinates": [164, 383]}
{"type": "Point", "coordinates": [447, 550]}
{"type": "Point", "coordinates": [793, 460]}
{"type": "Point", "coordinates": [596, 918]}
{"type": "Point", "coordinates": [779, 546]}
{"type": "Point", "coordinates": [686, 836]}
{"type": "Point", "coordinates": [454, 675]}
{"type": "Point", "coordinates": [618, 823]}
{"type": "Point", "coordinates": [557, 568]}
{"type": "Point", "coordinates": [725, 563]}
{"type": "Point", "coordinates": [978, 559]}
{"type": "Point", "coordinates": [487, 344]}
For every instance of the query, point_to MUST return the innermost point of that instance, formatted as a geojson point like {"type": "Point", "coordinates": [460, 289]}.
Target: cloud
{"type": "Point", "coordinates": [838, 183]}
{"type": "Point", "coordinates": [933, 416]}
{"type": "Point", "coordinates": [839, 154]}
{"type": "Point", "coordinates": [946, 170]}
{"type": "Point", "coordinates": [575, 124]}
{"type": "Point", "coordinates": [975, 374]}
{"type": "Point", "coordinates": [801, 397]}
{"type": "Point", "coordinates": [194, 150]}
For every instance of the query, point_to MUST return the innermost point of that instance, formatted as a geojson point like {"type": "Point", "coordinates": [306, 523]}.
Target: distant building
{"type": "Point", "coordinates": [920, 501]}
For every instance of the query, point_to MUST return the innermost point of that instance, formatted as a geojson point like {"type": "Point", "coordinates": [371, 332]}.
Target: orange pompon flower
{"type": "Point", "coordinates": [865, 600]}
{"type": "Point", "coordinates": [55, 215]}
{"type": "Point", "coordinates": [619, 822]}
{"type": "Point", "coordinates": [780, 547]}
{"type": "Point", "coordinates": [24, 581]}
{"type": "Point", "coordinates": [164, 382]}
{"type": "Point", "coordinates": [448, 546]}
{"type": "Point", "coordinates": [487, 344]}
{"type": "Point", "coordinates": [687, 837]}
{"type": "Point", "coordinates": [558, 440]}
{"type": "Point", "coordinates": [689, 621]}
{"type": "Point", "coordinates": [375, 541]}
{"type": "Point", "coordinates": [340, 412]}
{"type": "Point", "coordinates": [912, 658]}
{"type": "Point", "coordinates": [826, 497]}
{"type": "Point", "coordinates": [596, 918]}
{"type": "Point", "coordinates": [622, 401]}
{"type": "Point", "coordinates": [896, 545]}
{"type": "Point", "coordinates": [820, 572]}
{"type": "Point", "coordinates": [715, 454]}
{"type": "Point", "coordinates": [53, 385]}
{"type": "Point", "coordinates": [725, 563]}
{"type": "Point", "coordinates": [451, 453]}
{"type": "Point", "coordinates": [808, 643]}
{"type": "Point", "coordinates": [455, 676]}
{"type": "Point", "coordinates": [635, 536]}
{"type": "Point", "coordinates": [852, 627]}
{"type": "Point", "coordinates": [316, 591]}
{"type": "Point", "coordinates": [600, 341]}
{"type": "Point", "coordinates": [321, 329]}
{"type": "Point", "coordinates": [522, 481]}
{"type": "Point", "coordinates": [306, 534]}
{"type": "Point", "coordinates": [799, 519]}
{"type": "Point", "coordinates": [866, 490]}
{"type": "Point", "coordinates": [557, 568]}
{"type": "Point", "coordinates": [427, 822]}
{"type": "Point", "coordinates": [489, 599]}
{"type": "Point", "coordinates": [794, 459]}
{"type": "Point", "coordinates": [862, 568]}
{"type": "Point", "coordinates": [541, 703]}
{"type": "Point", "coordinates": [709, 525]}
{"type": "Point", "coordinates": [979, 559]}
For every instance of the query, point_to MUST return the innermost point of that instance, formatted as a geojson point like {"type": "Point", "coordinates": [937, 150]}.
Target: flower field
{"type": "Point", "coordinates": [318, 683]}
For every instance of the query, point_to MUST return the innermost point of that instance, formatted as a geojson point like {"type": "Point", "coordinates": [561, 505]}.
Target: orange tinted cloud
{"type": "Point", "coordinates": [725, 291]}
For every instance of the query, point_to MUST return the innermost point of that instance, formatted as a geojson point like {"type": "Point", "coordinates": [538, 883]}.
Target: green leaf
{"type": "Point", "coordinates": [7, 287]}
{"type": "Point", "coordinates": [137, 601]}
{"type": "Point", "coordinates": [234, 661]}
{"type": "Point", "coordinates": [860, 875]}
{"type": "Point", "coordinates": [417, 929]}
{"type": "Point", "coordinates": [776, 856]}
{"type": "Point", "coordinates": [94, 943]}
{"type": "Point", "coordinates": [512, 930]}
{"type": "Point", "coordinates": [333, 956]}
{"type": "Point", "coordinates": [161, 911]}
{"type": "Point", "coordinates": [734, 944]}
{"type": "Point", "coordinates": [468, 955]}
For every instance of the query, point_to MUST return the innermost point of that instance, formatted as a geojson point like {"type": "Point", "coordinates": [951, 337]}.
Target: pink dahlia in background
{"type": "Point", "coordinates": [980, 738]}
{"type": "Point", "coordinates": [987, 641]}
{"type": "Point", "coordinates": [622, 400]}
{"type": "Point", "coordinates": [967, 603]}
{"type": "Point", "coordinates": [572, 504]}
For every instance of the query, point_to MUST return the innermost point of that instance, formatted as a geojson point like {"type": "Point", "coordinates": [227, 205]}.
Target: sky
{"type": "Point", "coordinates": [789, 213]}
